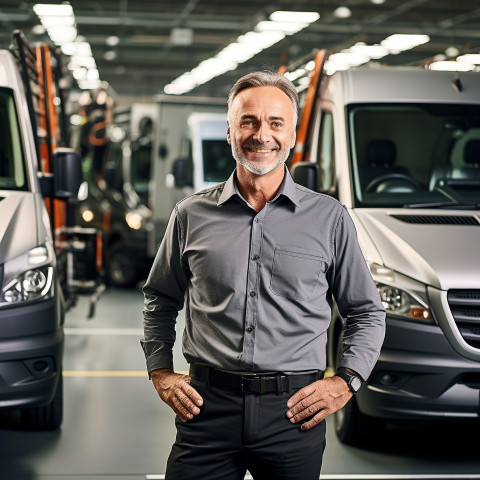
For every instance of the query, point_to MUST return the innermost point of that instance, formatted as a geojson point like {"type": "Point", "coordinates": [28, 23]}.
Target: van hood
{"type": "Point", "coordinates": [441, 249]}
{"type": "Point", "coordinates": [18, 224]}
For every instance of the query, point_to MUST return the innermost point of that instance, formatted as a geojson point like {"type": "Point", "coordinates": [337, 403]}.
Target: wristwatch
{"type": "Point", "coordinates": [354, 382]}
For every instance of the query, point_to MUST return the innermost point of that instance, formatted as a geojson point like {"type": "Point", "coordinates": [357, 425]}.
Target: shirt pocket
{"type": "Point", "coordinates": [296, 272]}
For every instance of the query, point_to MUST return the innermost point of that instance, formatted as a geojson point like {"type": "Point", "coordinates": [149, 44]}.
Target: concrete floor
{"type": "Point", "coordinates": [115, 427]}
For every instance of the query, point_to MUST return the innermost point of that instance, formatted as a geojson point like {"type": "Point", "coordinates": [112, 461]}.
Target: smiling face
{"type": "Point", "coordinates": [261, 128]}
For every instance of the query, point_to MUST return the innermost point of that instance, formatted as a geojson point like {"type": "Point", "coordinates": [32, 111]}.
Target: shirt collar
{"type": "Point", "coordinates": [287, 189]}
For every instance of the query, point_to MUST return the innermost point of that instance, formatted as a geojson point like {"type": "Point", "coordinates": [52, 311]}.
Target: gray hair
{"type": "Point", "coordinates": [265, 79]}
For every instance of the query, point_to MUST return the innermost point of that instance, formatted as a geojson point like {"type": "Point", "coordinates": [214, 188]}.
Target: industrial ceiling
{"type": "Point", "coordinates": [149, 54]}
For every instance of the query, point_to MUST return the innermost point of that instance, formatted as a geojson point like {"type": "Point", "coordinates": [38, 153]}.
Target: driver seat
{"type": "Point", "coordinates": [381, 156]}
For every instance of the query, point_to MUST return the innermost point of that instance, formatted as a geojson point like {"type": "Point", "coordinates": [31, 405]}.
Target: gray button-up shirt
{"type": "Point", "coordinates": [260, 286]}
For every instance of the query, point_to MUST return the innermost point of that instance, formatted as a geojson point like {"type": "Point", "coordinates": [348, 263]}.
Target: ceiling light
{"type": "Point", "coordinates": [452, 51]}
{"type": "Point", "coordinates": [378, 2]}
{"type": "Point", "coordinates": [292, 76]}
{"type": "Point", "coordinates": [77, 48]}
{"type": "Point", "coordinates": [63, 10]}
{"type": "Point", "coordinates": [112, 41]}
{"type": "Point", "coordinates": [110, 55]}
{"type": "Point", "coordinates": [332, 66]}
{"type": "Point", "coordinates": [88, 62]}
{"type": "Point", "coordinates": [401, 42]}
{"type": "Point", "coordinates": [471, 58]}
{"type": "Point", "coordinates": [264, 35]}
{"type": "Point", "coordinates": [371, 51]}
{"type": "Point", "coordinates": [56, 21]}
{"type": "Point", "coordinates": [342, 12]}
{"type": "Point", "coordinates": [285, 16]}
{"type": "Point", "coordinates": [38, 30]}
{"type": "Point", "coordinates": [286, 27]}
{"type": "Point", "coordinates": [348, 58]}
{"type": "Point", "coordinates": [450, 66]}
{"type": "Point", "coordinates": [61, 35]}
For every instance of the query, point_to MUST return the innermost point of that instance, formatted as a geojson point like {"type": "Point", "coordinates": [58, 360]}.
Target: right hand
{"type": "Point", "coordinates": [175, 390]}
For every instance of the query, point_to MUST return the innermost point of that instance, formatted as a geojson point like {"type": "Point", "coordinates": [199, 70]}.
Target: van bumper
{"type": "Point", "coordinates": [31, 352]}
{"type": "Point", "coordinates": [420, 376]}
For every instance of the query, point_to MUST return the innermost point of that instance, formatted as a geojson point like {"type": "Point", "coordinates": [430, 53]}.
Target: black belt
{"type": "Point", "coordinates": [253, 383]}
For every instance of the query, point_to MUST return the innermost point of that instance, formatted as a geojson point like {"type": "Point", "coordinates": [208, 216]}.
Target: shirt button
{"type": "Point", "coordinates": [250, 328]}
{"type": "Point", "coordinates": [252, 294]}
{"type": "Point", "coordinates": [255, 257]}
{"type": "Point", "coordinates": [257, 220]}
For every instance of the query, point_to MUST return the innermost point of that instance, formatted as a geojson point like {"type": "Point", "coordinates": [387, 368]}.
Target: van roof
{"type": "Point", "coordinates": [405, 85]}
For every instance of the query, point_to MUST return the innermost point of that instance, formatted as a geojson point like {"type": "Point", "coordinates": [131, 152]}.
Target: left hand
{"type": "Point", "coordinates": [319, 399]}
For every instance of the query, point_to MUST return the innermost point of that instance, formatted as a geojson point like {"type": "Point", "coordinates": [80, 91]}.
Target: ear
{"type": "Point", "coordinates": [294, 139]}
{"type": "Point", "coordinates": [229, 139]}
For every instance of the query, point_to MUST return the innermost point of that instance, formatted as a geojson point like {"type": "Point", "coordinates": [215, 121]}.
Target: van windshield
{"type": "Point", "coordinates": [218, 163]}
{"type": "Point", "coordinates": [415, 155]}
{"type": "Point", "coordinates": [12, 169]}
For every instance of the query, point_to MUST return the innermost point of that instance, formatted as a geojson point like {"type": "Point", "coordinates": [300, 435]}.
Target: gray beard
{"type": "Point", "coordinates": [252, 168]}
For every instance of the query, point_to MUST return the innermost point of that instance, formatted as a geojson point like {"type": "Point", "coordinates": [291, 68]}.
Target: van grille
{"type": "Point", "coordinates": [438, 219]}
{"type": "Point", "coordinates": [465, 308]}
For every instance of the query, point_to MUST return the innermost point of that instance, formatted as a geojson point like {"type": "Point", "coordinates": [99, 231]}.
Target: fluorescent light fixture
{"type": "Point", "coordinates": [88, 62]}
{"type": "Point", "coordinates": [79, 73]}
{"type": "Point", "coordinates": [43, 9]}
{"type": "Point", "coordinates": [286, 27]}
{"type": "Point", "coordinates": [371, 51]}
{"type": "Point", "coordinates": [57, 21]}
{"type": "Point", "coordinates": [264, 35]}
{"type": "Point", "coordinates": [451, 66]}
{"type": "Point", "coordinates": [292, 76]}
{"type": "Point", "coordinates": [471, 58]}
{"type": "Point", "coordinates": [61, 35]}
{"type": "Point", "coordinates": [300, 17]}
{"type": "Point", "coordinates": [77, 48]}
{"type": "Point", "coordinates": [93, 74]}
{"type": "Point", "coordinates": [259, 41]}
{"type": "Point", "coordinates": [348, 58]}
{"type": "Point", "coordinates": [401, 42]}
{"type": "Point", "coordinates": [332, 66]}
{"type": "Point", "coordinates": [236, 52]}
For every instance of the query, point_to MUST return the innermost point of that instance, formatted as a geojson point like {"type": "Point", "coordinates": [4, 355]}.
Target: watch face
{"type": "Point", "coordinates": [356, 383]}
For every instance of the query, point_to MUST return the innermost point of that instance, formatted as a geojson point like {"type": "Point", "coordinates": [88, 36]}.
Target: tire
{"type": "Point", "coordinates": [48, 417]}
{"type": "Point", "coordinates": [351, 425]}
{"type": "Point", "coordinates": [121, 270]}
{"type": "Point", "coordinates": [354, 428]}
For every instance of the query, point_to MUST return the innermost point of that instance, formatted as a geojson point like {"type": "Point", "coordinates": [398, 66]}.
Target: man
{"type": "Point", "coordinates": [260, 260]}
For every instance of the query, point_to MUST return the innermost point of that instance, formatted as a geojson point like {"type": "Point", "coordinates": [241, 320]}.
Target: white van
{"type": "Point", "coordinates": [400, 148]}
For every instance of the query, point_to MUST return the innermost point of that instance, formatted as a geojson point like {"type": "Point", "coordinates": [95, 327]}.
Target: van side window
{"type": "Point", "coordinates": [326, 154]}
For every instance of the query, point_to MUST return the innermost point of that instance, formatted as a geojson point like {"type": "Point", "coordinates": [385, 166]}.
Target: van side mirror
{"type": "Point", "coordinates": [68, 176]}
{"type": "Point", "coordinates": [306, 174]}
{"type": "Point", "coordinates": [182, 171]}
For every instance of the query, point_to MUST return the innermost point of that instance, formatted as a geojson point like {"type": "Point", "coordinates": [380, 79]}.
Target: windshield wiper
{"type": "Point", "coordinates": [451, 204]}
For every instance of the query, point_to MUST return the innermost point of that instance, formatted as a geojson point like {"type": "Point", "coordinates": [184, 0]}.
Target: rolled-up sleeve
{"type": "Point", "coordinates": [358, 301]}
{"type": "Point", "coordinates": [164, 293]}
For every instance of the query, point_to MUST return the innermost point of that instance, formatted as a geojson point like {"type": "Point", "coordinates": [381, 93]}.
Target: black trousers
{"type": "Point", "coordinates": [237, 431]}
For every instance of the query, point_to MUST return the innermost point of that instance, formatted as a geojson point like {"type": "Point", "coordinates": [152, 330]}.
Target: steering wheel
{"type": "Point", "coordinates": [390, 178]}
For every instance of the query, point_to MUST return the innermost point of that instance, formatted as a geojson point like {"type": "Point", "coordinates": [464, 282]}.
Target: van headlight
{"type": "Point", "coordinates": [28, 278]}
{"type": "Point", "coordinates": [401, 296]}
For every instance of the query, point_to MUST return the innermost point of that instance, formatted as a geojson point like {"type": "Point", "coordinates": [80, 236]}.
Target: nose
{"type": "Point", "coordinates": [262, 134]}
